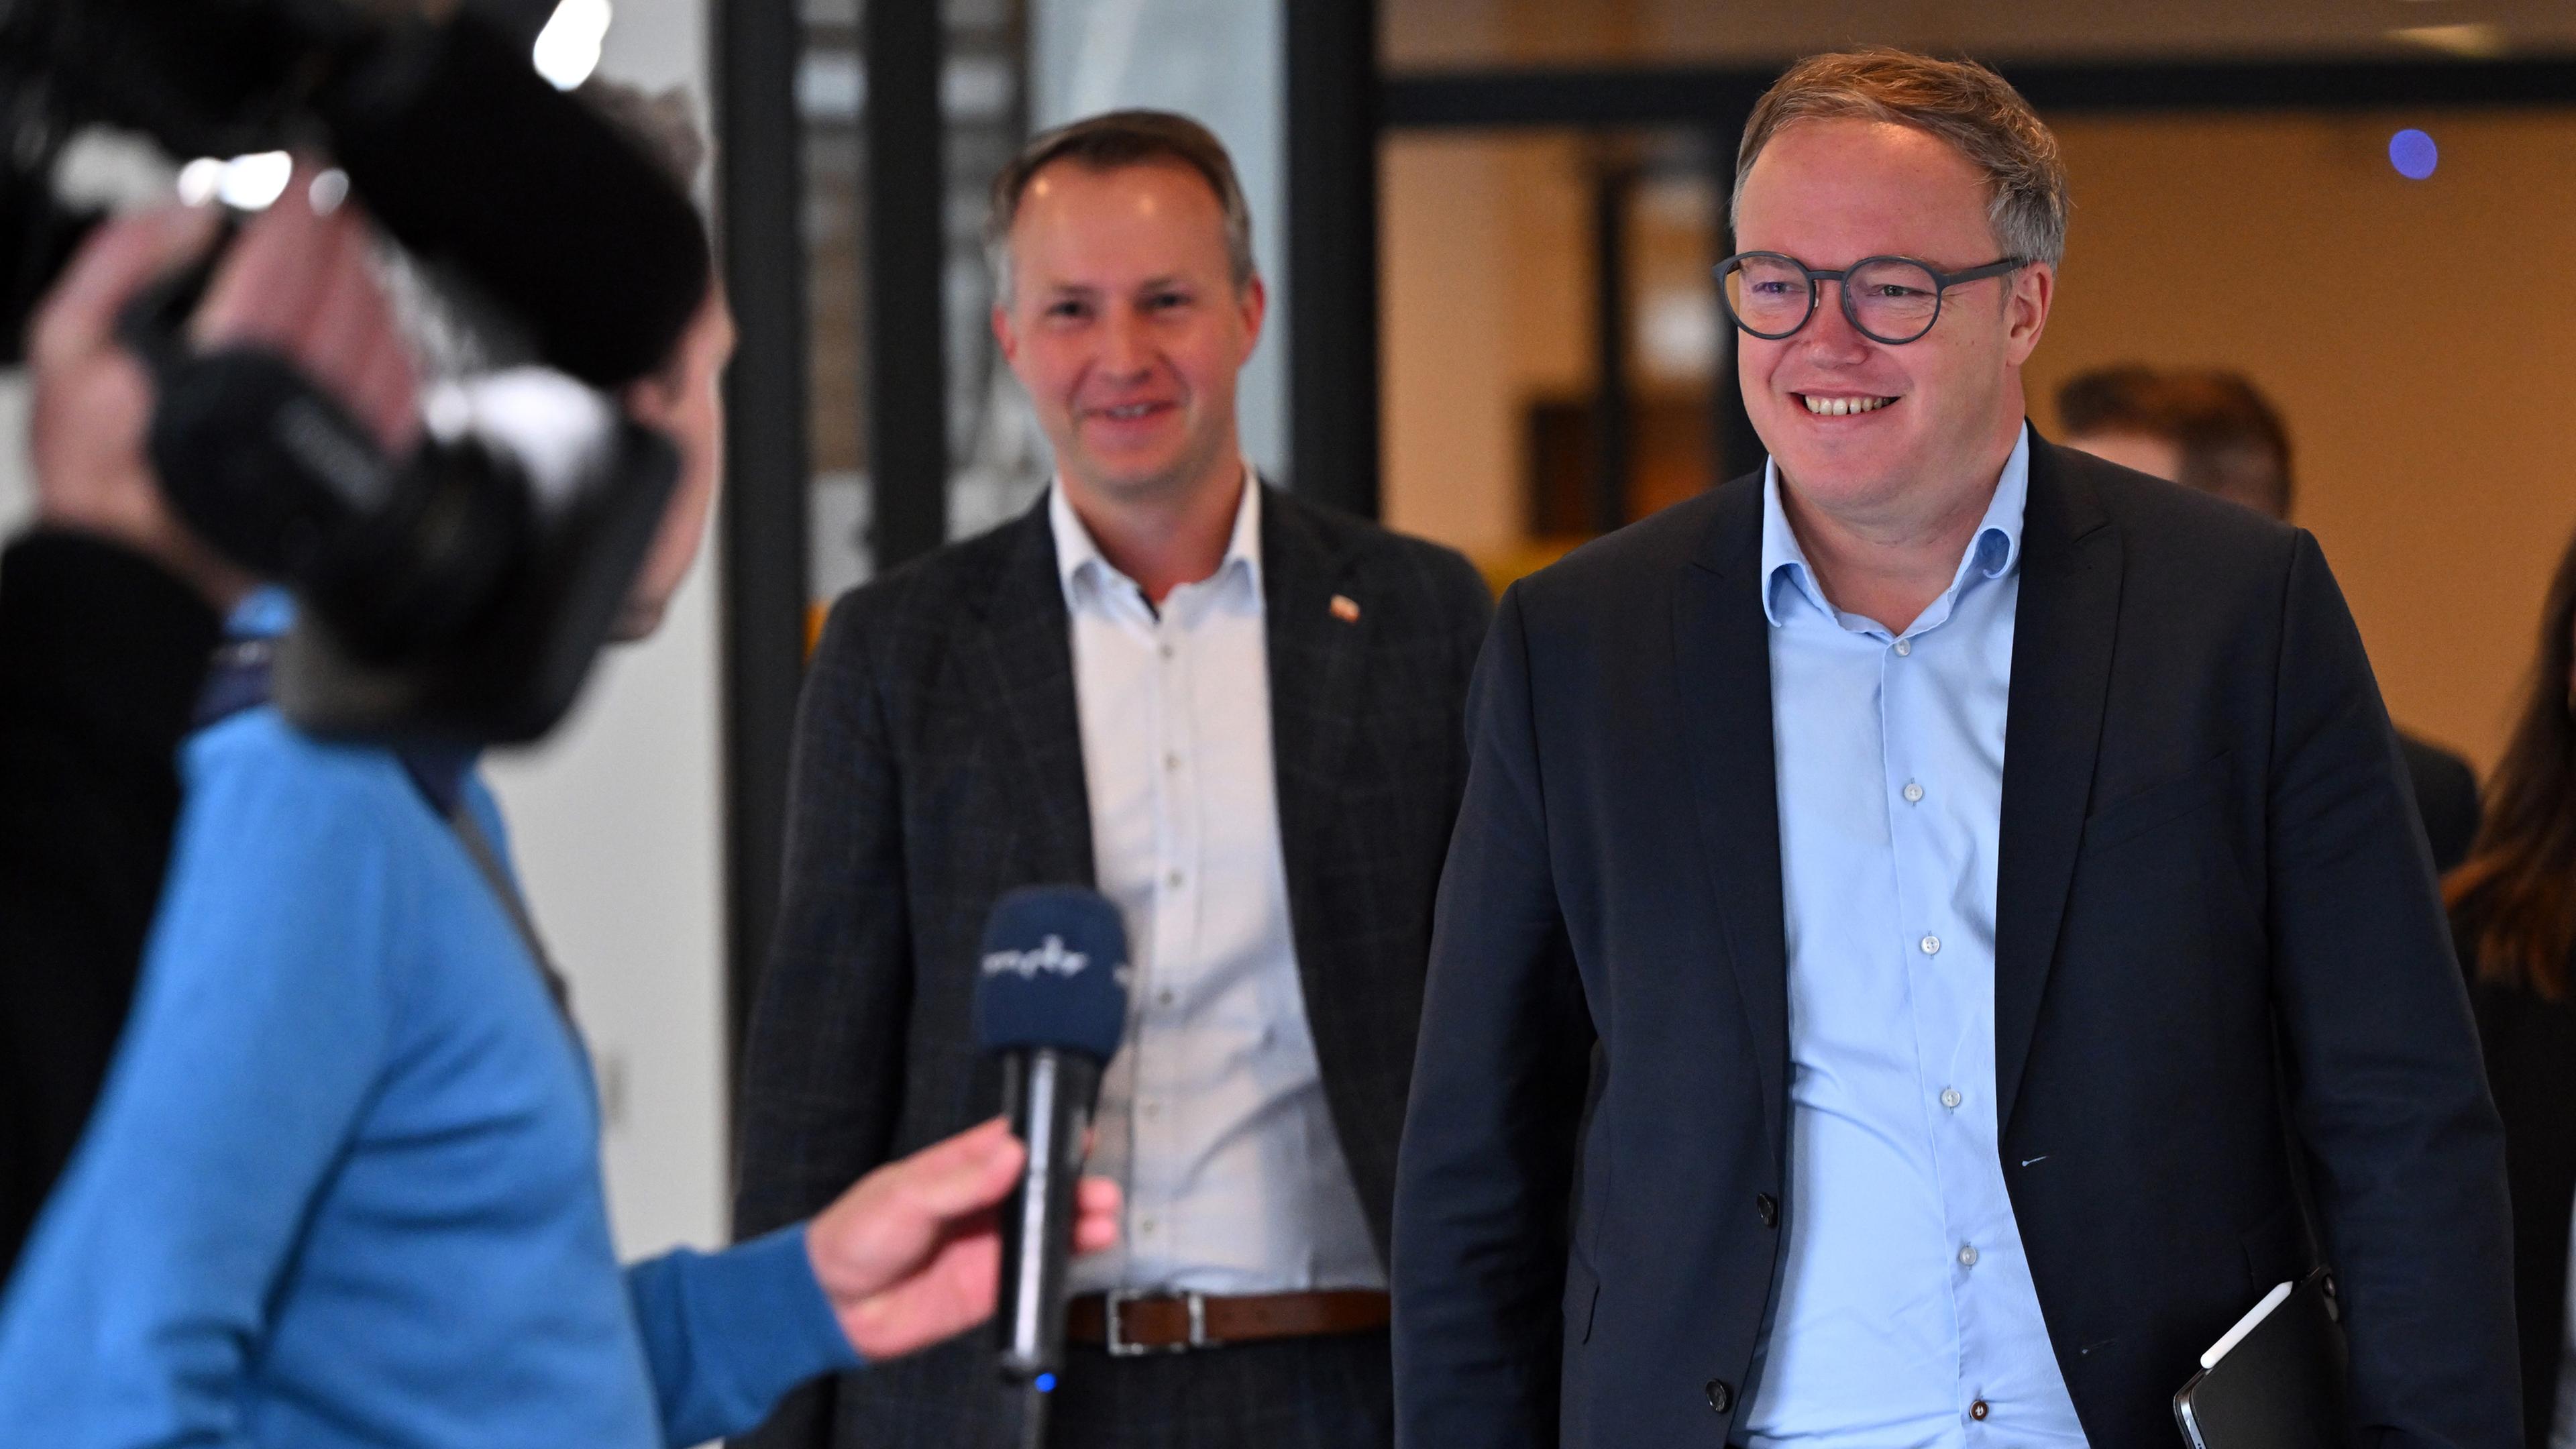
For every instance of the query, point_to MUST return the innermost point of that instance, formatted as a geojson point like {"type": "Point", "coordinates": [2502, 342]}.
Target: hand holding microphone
{"type": "Point", "coordinates": [296, 282]}
{"type": "Point", "coordinates": [910, 1255]}
{"type": "Point", "coordinates": [916, 1252]}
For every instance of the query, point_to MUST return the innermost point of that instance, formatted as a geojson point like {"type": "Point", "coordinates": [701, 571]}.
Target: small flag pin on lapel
{"type": "Point", "coordinates": [1346, 608]}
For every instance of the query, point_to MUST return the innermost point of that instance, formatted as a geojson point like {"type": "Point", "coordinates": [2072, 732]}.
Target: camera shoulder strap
{"type": "Point", "coordinates": [487, 861]}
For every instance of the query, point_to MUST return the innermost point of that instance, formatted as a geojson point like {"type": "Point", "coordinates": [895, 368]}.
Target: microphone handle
{"type": "Point", "coordinates": [1049, 1094]}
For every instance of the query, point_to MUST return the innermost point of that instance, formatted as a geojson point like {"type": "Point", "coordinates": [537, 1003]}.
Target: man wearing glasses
{"type": "Point", "coordinates": [1891, 889]}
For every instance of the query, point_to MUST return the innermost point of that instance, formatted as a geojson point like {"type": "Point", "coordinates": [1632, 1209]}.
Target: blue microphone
{"type": "Point", "coordinates": [1052, 1004]}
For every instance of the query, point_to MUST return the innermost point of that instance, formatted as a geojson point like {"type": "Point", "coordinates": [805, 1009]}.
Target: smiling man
{"type": "Point", "coordinates": [1241, 717]}
{"type": "Point", "coordinates": [1893, 888]}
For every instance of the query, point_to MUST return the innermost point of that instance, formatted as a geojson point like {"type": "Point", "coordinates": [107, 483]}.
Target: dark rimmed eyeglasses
{"type": "Point", "coordinates": [1890, 300]}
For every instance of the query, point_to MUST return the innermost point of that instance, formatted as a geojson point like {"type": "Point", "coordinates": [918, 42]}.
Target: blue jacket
{"type": "Point", "coordinates": [343, 1187]}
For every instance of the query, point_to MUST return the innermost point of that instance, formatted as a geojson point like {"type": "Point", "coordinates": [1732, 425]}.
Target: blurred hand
{"type": "Point", "coordinates": [294, 281]}
{"type": "Point", "coordinates": [911, 1255]}
{"type": "Point", "coordinates": [299, 283]}
{"type": "Point", "coordinates": [93, 399]}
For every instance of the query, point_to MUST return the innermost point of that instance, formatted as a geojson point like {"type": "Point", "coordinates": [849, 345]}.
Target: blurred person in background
{"type": "Point", "coordinates": [2513, 907]}
{"type": "Point", "coordinates": [342, 1186]}
{"type": "Point", "coordinates": [109, 612]}
{"type": "Point", "coordinates": [112, 611]}
{"type": "Point", "coordinates": [2206, 429]}
{"type": "Point", "coordinates": [1236, 713]}
{"type": "Point", "coordinates": [2216, 432]}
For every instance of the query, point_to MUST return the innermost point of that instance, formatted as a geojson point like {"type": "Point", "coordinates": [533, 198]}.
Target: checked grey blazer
{"type": "Point", "coordinates": [938, 764]}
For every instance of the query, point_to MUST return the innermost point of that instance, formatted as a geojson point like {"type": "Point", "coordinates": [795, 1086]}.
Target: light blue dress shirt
{"type": "Point", "coordinates": [1907, 1316]}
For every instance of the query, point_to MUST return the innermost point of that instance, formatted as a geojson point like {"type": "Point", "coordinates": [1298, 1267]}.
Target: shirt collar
{"type": "Point", "coordinates": [1994, 551]}
{"type": "Point", "coordinates": [1077, 553]}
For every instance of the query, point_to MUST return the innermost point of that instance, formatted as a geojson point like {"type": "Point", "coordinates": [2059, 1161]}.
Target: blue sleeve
{"type": "Point", "coordinates": [727, 1333]}
{"type": "Point", "coordinates": [257, 1032]}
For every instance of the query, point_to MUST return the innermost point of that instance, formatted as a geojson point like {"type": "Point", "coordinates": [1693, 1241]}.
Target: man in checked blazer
{"type": "Point", "coordinates": [1241, 717]}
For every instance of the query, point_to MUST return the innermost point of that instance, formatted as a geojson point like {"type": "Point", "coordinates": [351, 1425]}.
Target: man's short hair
{"type": "Point", "coordinates": [1106, 142]}
{"type": "Point", "coordinates": [1959, 101]}
{"type": "Point", "coordinates": [2222, 428]}
{"type": "Point", "coordinates": [2128, 400]}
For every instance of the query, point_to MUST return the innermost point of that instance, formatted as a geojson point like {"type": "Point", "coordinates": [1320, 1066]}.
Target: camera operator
{"type": "Point", "coordinates": [342, 1186]}
{"type": "Point", "coordinates": [108, 611]}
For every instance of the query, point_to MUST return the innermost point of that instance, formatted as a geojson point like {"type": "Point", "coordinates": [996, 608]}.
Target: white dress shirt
{"type": "Point", "coordinates": [1212, 1115]}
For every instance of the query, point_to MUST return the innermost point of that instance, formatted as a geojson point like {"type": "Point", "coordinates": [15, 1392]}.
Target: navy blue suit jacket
{"type": "Point", "coordinates": [2211, 873]}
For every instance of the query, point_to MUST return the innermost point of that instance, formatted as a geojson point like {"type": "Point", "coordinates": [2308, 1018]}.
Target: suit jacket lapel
{"type": "Point", "coordinates": [1722, 652]}
{"type": "Point", "coordinates": [1314, 702]}
{"type": "Point", "coordinates": [2063, 629]}
{"type": "Point", "coordinates": [1019, 663]}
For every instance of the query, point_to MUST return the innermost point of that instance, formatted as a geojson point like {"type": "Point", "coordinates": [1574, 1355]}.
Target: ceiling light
{"type": "Point", "coordinates": [2471, 42]}
{"type": "Point", "coordinates": [2413, 153]}
{"type": "Point", "coordinates": [254, 182]}
{"type": "Point", "coordinates": [568, 48]}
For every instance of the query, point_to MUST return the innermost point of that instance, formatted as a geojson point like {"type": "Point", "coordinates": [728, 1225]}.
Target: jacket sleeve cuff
{"type": "Point", "coordinates": [727, 1334]}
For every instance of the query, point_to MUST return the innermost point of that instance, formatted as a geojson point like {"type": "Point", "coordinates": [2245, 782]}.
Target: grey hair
{"type": "Point", "coordinates": [663, 125]}
{"type": "Point", "coordinates": [1960, 101]}
{"type": "Point", "coordinates": [1106, 142]}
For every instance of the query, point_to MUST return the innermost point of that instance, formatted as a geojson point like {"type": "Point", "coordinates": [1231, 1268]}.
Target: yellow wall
{"type": "Point", "coordinates": [1485, 264]}
{"type": "Point", "coordinates": [2418, 336]}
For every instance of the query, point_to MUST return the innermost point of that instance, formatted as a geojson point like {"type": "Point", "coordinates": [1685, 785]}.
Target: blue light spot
{"type": "Point", "coordinates": [1046, 1383]}
{"type": "Point", "coordinates": [2413, 154]}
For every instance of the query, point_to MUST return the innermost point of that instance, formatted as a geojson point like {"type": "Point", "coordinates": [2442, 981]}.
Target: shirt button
{"type": "Point", "coordinates": [1168, 651]}
{"type": "Point", "coordinates": [1147, 1226]}
{"type": "Point", "coordinates": [1153, 1110]}
{"type": "Point", "coordinates": [1174, 881]}
{"type": "Point", "coordinates": [1951, 1099]}
{"type": "Point", "coordinates": [1769, 1207]}
{"type": "Point", "coordinates": [1967, 1255]}
{"type": "Point", "coordinates": [1931, 944]}
{"type": "Point", "coordinates": [1163, 997]}
{"type": "Point", "coordinates": [1172, 761]}
{"type": "Point", "coordinates": [1913, 793]}
{"type": "Point", "coordinates": [1904, 647]}
{"type": "Point", "coordinates": [1977, 1410]}
{"type": "Point", "coordinates": [1721, 1395]}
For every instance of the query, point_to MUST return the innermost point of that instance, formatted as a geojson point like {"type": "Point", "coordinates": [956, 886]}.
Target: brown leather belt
{"type": "Point", "coordinates": [1128, 1324]}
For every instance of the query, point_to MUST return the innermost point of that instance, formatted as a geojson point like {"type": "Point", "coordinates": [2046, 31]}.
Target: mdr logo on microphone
{"type": "Point", "coordinates": [1048, 958]}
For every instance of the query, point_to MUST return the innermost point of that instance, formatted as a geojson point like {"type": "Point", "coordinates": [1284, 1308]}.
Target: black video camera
{"type": "Point", "coordinates": [459, 594]}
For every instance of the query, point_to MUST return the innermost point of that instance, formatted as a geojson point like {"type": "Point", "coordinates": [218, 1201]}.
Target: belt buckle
{"type": "Point", "coordinates": [1116, 1300]}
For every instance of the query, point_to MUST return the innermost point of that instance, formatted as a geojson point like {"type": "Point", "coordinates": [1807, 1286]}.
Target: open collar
{"type": "Point", "coordinates": [1078, 556]}
{"type": "Point", "coordinates": [1994, 550]}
